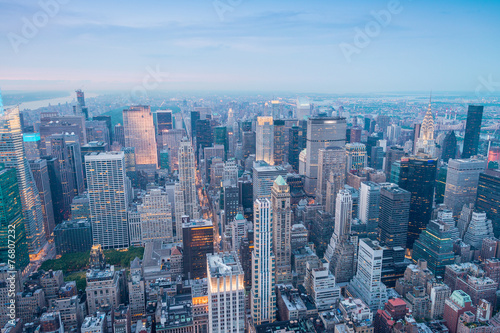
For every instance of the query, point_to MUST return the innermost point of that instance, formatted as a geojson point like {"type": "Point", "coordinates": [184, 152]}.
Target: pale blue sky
{"type": "Point", "coordinates": [258, 45]}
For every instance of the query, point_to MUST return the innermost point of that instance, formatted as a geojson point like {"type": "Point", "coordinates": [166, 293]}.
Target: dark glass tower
{"type": "Point", "coordinates": [441, 183]}
{"type": "Point", "coordinates": [295, 146]}
{"type": "Point", "coordinates": [198, 241]}
{"type": "Point", "coordinates": [418, 176]}
{"type": "Point", "coordinates": [449, 147]}
{"type": "Point", "coordinates": [220, 138]}
{"type": "Point", "coordinates": [203, 135]}
{"type": "Point", "coordinates": [163, 121]}
{"type": "Point", "coordinates": [488, 197]}
{"type": "Point", "coordinates": [195, 116]}
{"type": "Point", "coordinates": [279, 142]}
{"type": "Point", "coordinates": [472, 129]}
{"type": "Point", "coordinates": [12, 229]}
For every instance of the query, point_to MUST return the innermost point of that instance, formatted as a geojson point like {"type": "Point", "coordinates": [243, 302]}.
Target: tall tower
{"type": "Point", "coordinates": [343, 214]}
{"type": "Point", "coordinates": [108, 197]}
{"type": "Point", "coordinates": [140, 134]}
{"type": "Point", "coordinates": [156, 216]}
{"type": "Point", "coordinates": [472, 130]}
{"type": "Point", "coordinates": [282, 228]}
{"type": "Point", "coordinates": [356, 156]}
{"type": "Point", "coordinates": [264, 134]}
{"type": "Point", "coordinates": [187, 183]}
{"type": "Point", "coordinates": [322, 132]}
{"type": "Point", "coordinates": [263, 295]}
{"type": "Point", "coordinates": [369, 204]}
{"type": "Point", "coordinates": [12, 155]}
{"type": "Point", "coordinates": [331, 160]}
{"type": "Point", "coordinates": [426, 142]}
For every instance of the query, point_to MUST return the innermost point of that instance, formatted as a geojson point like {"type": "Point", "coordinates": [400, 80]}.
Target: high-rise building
{"type": "Point", "coordinates": [449, 149]}
{"type": "Point", "coordinates": [426, 143]}
{"type": "Point", "coordinates": [442, 174]}
{"type": "Point", "coordinates": [322, 132]}
{"type": "Point", "coordinates": [461, 182]}
{"type": "Point", "coordinates": [73, 236]}
{"type": "Point", "coordinates": [367, 283]}
{"type": "Point", "coordinates": [12, 155]}
{"type": "Point", "coordinates": [477, 229]}
{"type": "Point", "coordinates": [303, 108]}
{"type": "Point", "coordinates": [369, 204]}
{"type": "Point", "coordinates": [472, 130]}
{"type": "Point", "coordinates": [163, 121]}
{"type": "Point", "coordinates": [356, 156]}
{"type": "Point", "coordinates": [204, 137]}
{"type": "Point", "coordinates": [264, 134]}
{"type": "Point", "coordinates": [263, 294]}
{"type": "Point", "coordinates": [331, 161]}
{"type": "Point", "coordinates": [394, 215]}
{"type": "Point", "coordinates": [197, 241]}
{"type": "Point", "coordinates": [393, 154]}
{"type": "Point", "coordinates": [458, 303]}
{"type": "Point", "coordinates": [263, 178]}
{"type": "Point", "coordinates": [31, 143]}
{"type": "Point", "coordinates": [119, 134]}
{"type": "Point", "coordinates": [156, 216]}
{"type": "Point", "coordinates": [282, 228]}
{"type": "Point", "coordinates": [140, 134]}
{"type": "Point", "coordinates": [418, 176]}
{"type": "Point", "coordinates": [226, 293]}
{"type": "Point", "coordinates": [488, 197]}
{"type": "Point", "coordinates": [41, 176]}
{"type": "Point", "coordinates": [221, 138]}
{"type": "Point", "coordinates": [435, 246]}
{"type": "Point", "coordinates": [279, 141]}
{"type": "Point", "coordinates": [12, 231]}
{"type": "Point", "coordinates": [296, 137]}
{"type": "Point", "coordinates": [108, 197]}
{"type": "Point", "coordinates": [187, 183]}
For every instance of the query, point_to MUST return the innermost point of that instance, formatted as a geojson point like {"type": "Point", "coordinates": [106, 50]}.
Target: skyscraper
{"type": "Point", "coordinates": [418, 176]}
{"type": "Point", "coordinates": [12, 231]}
{"type": "Point", "coordinates": [394, 153]}
{"type": "Point", "coordinates": [488, 197]}
{"type": "Point", "coordinates": [187, 183]}
{"type": "Point", "coordinates": [426, 142]}
{"type": "Point", "coordinates": [279, 141]}
{"type": "Point", "coordinates": [331, 163]}
{"type": "Point", "coordinates": [322, 132]}
{"type": "Point", "coordinates": [296, 144]}
{"type": "Point", "coordinates": [263, 294]}
{"type": "Point", "coordinates": [226, 293]}
{"type": "Point", "coordinates": [264, 134]}
{"type": "Point", "coordinates": [367, 283]}
{"type": "Point", "coordinates": [156, 216]}
{"type": "Point", "coordinates": [282, 228]}
{"type": "Point", "coordinates": [197, 242]}
{"type": "Point", "coordinates": [41, 176]}
{"type": "Point", "coordinates": [163, 120]}
{"type": "Point", "coordinates": [140, 134]}
{"type": "Point", "coordinates": [394, 214]}
{"type": "Point", "coordinates": [263, 178]}
{"type": "Point", "coordinates": [12, 155]}
{"type": "Point", "coordinates": [369, 204]}
{"type": "Point", "coordinates": [461, 182]}
{"type": "Point", "coordinates": [108, 197]}
{"type": "Point", "coordinates": [356, 156]}
{"type": "Point", "coordinates": [449, 149]}
{"type": "Point", "coordinates": [472, 130]}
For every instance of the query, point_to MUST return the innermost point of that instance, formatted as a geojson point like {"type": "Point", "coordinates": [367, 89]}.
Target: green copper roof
{"type": "Point", "coordinates": [239, 217]}
{"type": "Point", "coordinates": [280, 181]}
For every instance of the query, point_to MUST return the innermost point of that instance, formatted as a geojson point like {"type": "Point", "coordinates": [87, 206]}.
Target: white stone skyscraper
{"type": "Point", "coordinates": [109, 198]}
{"type": "Point", "coordinates": [263, 294]}
{"type": "Point", "coordinates": [343, 218]}
{"type": "Point", "coordinates": [282, 228]}
{"type": "Point", "coordinates": [356, 156]}
{"type": "Point", "coordinates": [264, 140]}
{"type": "Point", "coordinates": [226, 293]}
{"type": "Point", "coordinates": [12, 155]}
{"type": "Point", "coordinates": [322, 132]}
{"type": "Point", "coordinates": [188, 204]}
{"type": "Point", "coordinates": [369, 204]}
{"type": "Point", "coordinates": [156, 216]}
{"type": "Point", "coordinates": [140, 133]}
{"type": "Point", "coordinates": [426, 142]}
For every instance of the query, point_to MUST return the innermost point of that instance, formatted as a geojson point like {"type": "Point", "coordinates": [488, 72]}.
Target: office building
{"type": "Point", "coordinates": [204, 135]}
{"type": "Point", "coordinates": [461, 182]}
{"type": "Point", "coordinates": [41, 176]}
{"type": "Point", "coordinates": [426, 143]}
{"type": "Point", "coordinates": [279, 141]}
{"type": "Point", "coordinates": [394, 215]}
{"type": "Point", "coordinates": [367, 283]}
{"type": "Point", "coordinates": [303, 109]}
{"type": "Point", "coordinates": [331, 172]}
{"type": "Point", "coordinates": [488, 197]}
{"type": "Point", "coordinates": [12, 229]}
{"type": "Point", "coordinates": [163, 121]}
{"type": "Point", "coordinates": [95, 323]}
{"type": "Point", "coordinates": [393, 154]}
{"type": "Point", "coordinates": [108, 197]}
{"type": "Point", "coordinates": [187, 183]}
{"type": "Point", "coordinates": [104, 288]}
{"type": "Point", "coordinates": [136, 290]}
{"type": "Point", "coordinates": [478, 228]}
{"type": "Point", "coordinates": [321, 285]}
{"type": "Point", "coordinates": [12, 155]}
{"type": "Point", "coordinates": [264, 136]}
{"type": "Point", "coordinates": [156, 216]}
{"type": "Point", "coordinates": [31, 143]}
{"type": "Point", "coordinates": [472, 130]}
{"type": "Point", "coordinates": [264, 176]}
{"type": "Point", "coordinates": [73, 236]}
{"type": "Point", "coordinates": [221, 138]}
{"type": "Point", "coordinates": [369, 204]}
{"type": "Point", "coordinates": [458, 303]}
{"type": "Point", "coordinates": [282, 225]}
{"type": "Point", "coordinates": [119, 136]}
{"type": "Point", "coordinates": [356, 156]}
{"type": "Point", "coordinates": [140, 134]}
{"type": "Point", "coordinates": [263, 294]}
{"type": "Point", "coordinates": [296, 137]}
{"type": "Point", "coordinates": [418, 176]}
{"type": "Point", "coordinates": [449, 149]}
{"type": "Point", "coordinates": [322, 132]}
{"type": "Point", "coordinates": [226, 293]}
{"type": "Point", "coordinates": [435, 246]}
{"type": "Point", "coordinates": [197, 241]}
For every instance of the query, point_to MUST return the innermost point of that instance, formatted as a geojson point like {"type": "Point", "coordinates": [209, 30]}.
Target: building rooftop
{"type": "Point", "coordinates": [224, 264]}
{"type": "Point", "coordinates": [91, 321]}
